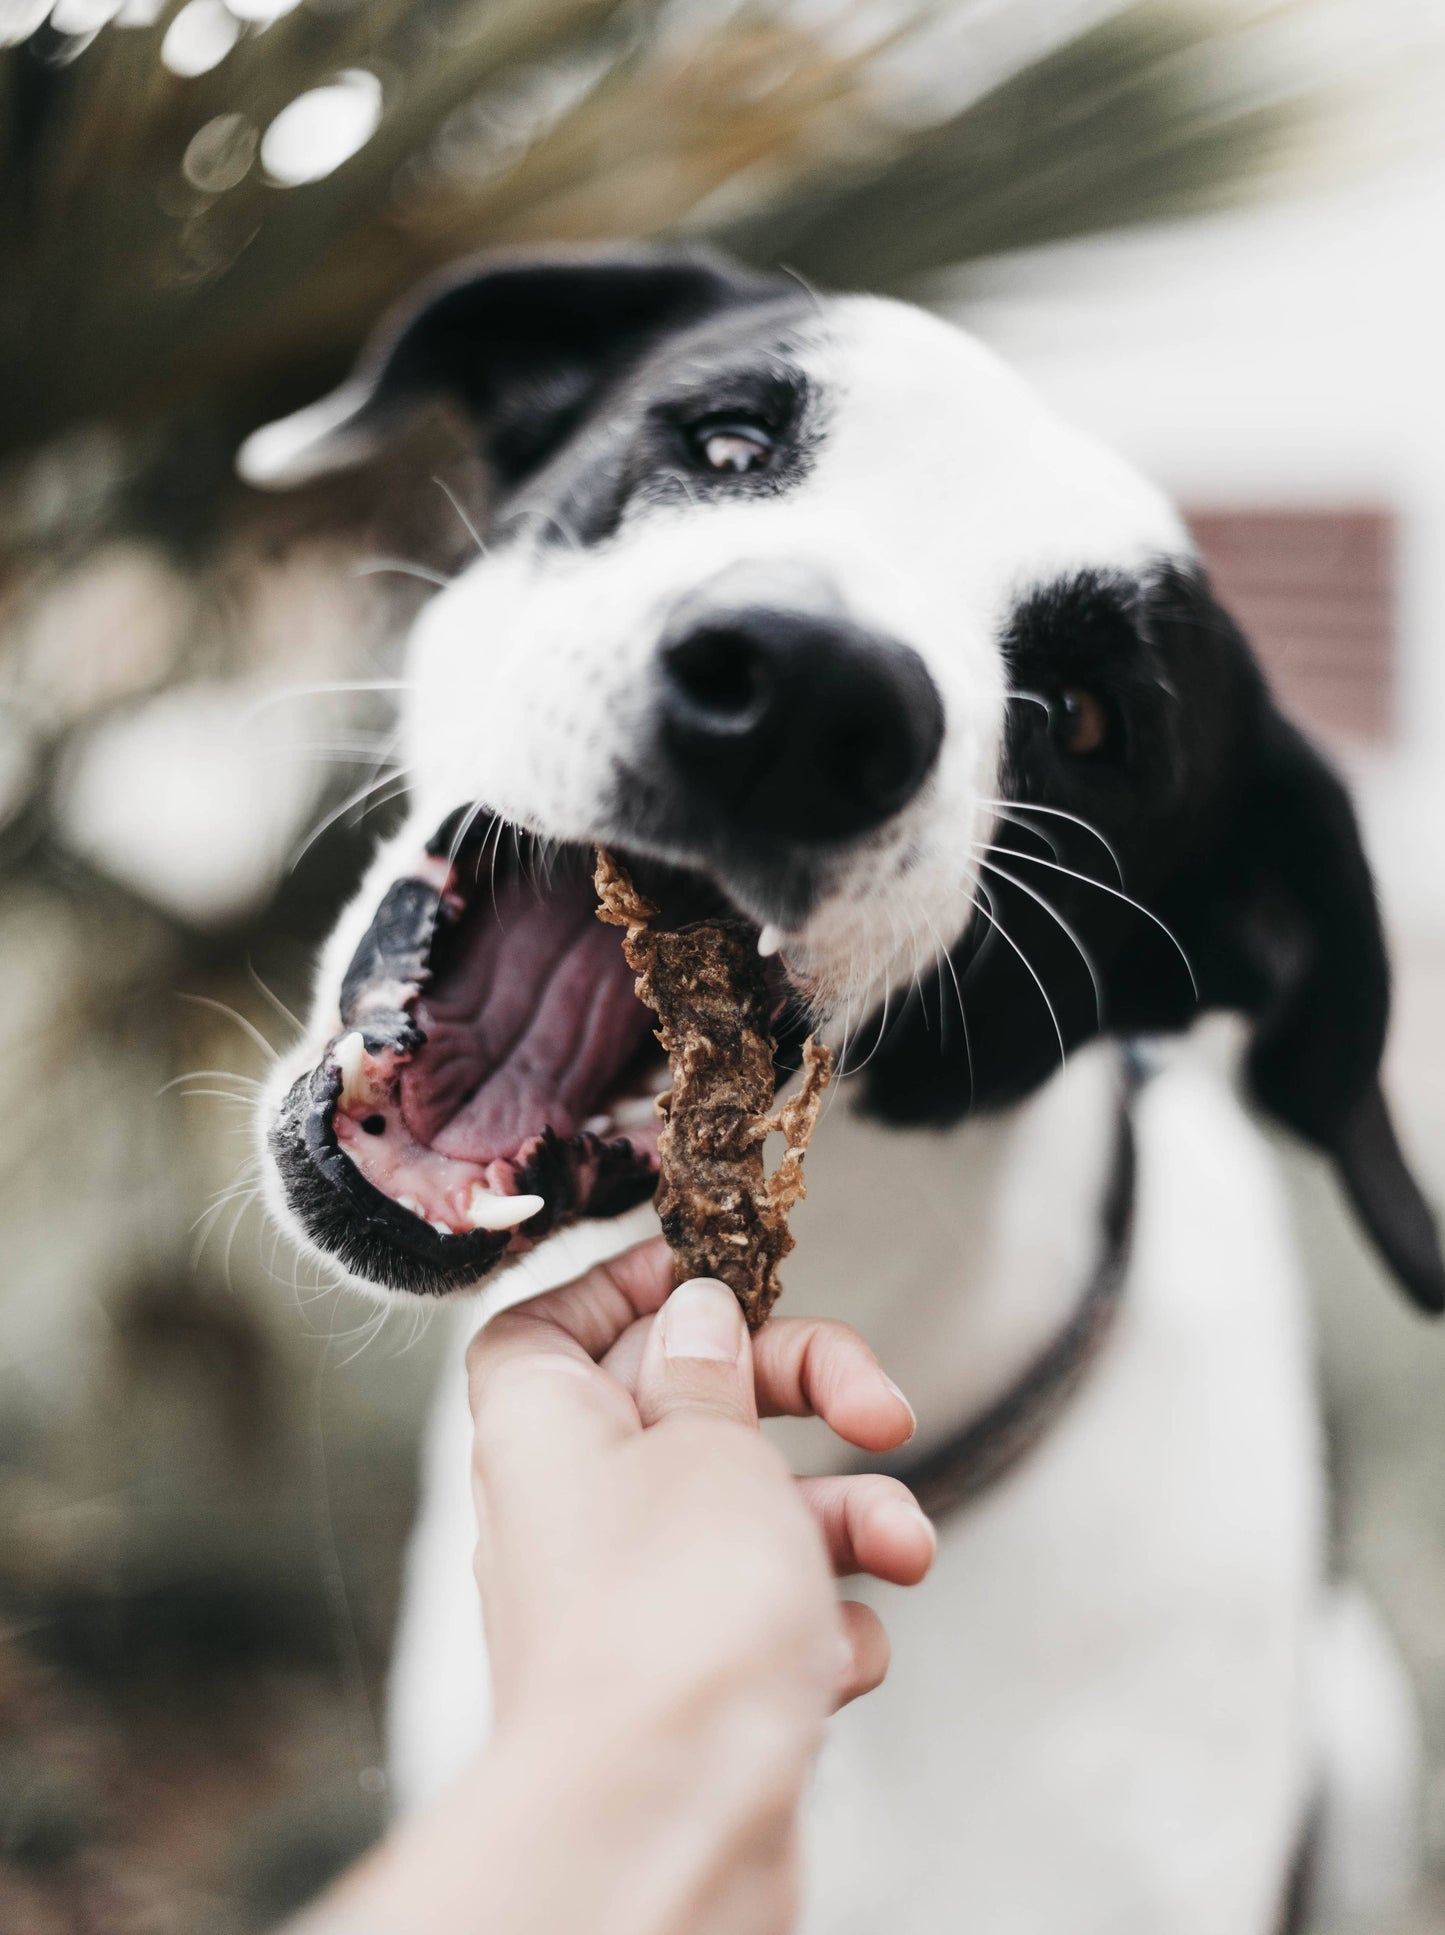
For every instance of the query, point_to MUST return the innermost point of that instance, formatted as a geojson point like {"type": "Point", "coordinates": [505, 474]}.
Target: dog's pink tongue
{"type": "Point", "coordinates": [530, 1026]}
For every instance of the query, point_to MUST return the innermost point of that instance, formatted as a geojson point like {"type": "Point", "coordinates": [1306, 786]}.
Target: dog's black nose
{"type": "Point", "coordinates": [797, 724]}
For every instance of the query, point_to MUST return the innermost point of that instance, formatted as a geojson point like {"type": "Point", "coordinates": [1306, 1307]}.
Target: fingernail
{"type": "Point", "coordinates": [702, 1319]}
{"type": "Point", "coordinates": [912, 1414]}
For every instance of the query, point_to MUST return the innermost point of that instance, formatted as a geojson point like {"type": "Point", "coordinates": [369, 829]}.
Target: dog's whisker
{"type": "Point", "coordinates": [495, 836]}
{"type": "Point", "coordinates": [882, 1030]}
{"type": "Point", "coordinates": [250, 1082]}
{"type": "Point", "coordinates": [991, 916]}
{"type": "Point", "coordinates": [1043, 901]}
{"type": "Point", "coordinates": [401, 568]}
{"type": "Point", "coordinates": [345, 752]}
{"type": "Point", "coordinates": [248, 1028]}
{"type": "Point", "coordinates": [534, 514]}
{"type": "Point", "coordinates": [1030, 698]}
{"type": "Point", "coordinates": [796, 275]}
{"type": "Point", "coordinates": [370, 1333]}
{"type": "Point", "coordinates": [270, 994]}
{"type": "Point", "coordinates": [248, 1186]}
{"type": "Point", "coordinates": [204, 1226]}
{"type": "Point", "coordinates": [324, 688]}
{"type": "Point", "coordinates": [1116, 894]}
{"type": "Point", "coordinates": [376, 792]}
{"type": "Point", "coordinates": [456, 503]}
{"type": "Point", "coordinates": [1037, 832]}
{"type": "Point", "coordinates": [236, 1221]}
{"type": "Point", "coordinates": [1058, 813]}
{"type": "Point", "coordinates": [459, 838]}
{"type": "Point", "coordinates": [945, 958]}
{"type": "Point", "coordinates": [217, 1095]}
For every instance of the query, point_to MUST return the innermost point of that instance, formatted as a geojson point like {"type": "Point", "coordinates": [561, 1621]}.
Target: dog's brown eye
{"type": "Point", "coordinates": [1081, 724]}
{"type": "Point", "coordinates": [734, 447]}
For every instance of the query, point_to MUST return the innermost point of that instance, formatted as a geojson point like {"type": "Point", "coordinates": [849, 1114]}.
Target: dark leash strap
{"type": "Point", "coordinates": [981, 1452]}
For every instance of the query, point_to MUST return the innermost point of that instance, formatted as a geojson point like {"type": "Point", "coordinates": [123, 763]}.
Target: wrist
{"type": "Point", "coordinates": [629, 1831]}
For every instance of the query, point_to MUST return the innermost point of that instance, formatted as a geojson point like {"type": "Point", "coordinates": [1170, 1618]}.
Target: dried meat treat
{"type": "Point", "coordinates": [721, 1214]}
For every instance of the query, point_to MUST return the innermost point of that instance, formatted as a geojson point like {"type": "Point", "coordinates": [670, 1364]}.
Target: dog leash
{"type": "Point", "coordinates": [983, 1451]}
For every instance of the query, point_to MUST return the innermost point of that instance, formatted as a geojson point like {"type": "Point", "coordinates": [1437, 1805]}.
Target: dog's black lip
{"type": "Point", "coordinates": [350, 1218]}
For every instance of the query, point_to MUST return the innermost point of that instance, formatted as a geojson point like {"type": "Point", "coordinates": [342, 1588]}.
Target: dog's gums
{"type": "Point", "coordinates": [494, 1075]}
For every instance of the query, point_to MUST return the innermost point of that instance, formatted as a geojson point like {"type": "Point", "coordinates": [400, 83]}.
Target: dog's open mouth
{"type": "Point", "coordinates": [494, 1075]}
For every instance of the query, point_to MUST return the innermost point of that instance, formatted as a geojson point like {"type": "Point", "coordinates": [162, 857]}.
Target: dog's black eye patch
{"type": "Point", "coordinates": [723, 411]}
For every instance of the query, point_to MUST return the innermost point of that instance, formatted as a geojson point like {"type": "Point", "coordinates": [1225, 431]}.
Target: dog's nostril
{"type": "Point", "coordinates": [721, 676]}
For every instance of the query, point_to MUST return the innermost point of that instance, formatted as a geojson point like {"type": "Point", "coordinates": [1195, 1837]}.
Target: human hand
{"type": "Point", "coordinates": [664, 1634]}
{"type": "Point", "coordinates": [575, 1503]}
{"type": "Point", "coordinates": [657, 1587]}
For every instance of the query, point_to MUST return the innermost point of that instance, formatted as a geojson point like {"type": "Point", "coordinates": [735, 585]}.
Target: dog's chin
{"type": "Point", "coordinates": [494, 1076]}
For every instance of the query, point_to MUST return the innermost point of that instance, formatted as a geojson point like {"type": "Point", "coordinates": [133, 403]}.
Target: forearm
{"type": "Point", "coordinates": [618, 1830]}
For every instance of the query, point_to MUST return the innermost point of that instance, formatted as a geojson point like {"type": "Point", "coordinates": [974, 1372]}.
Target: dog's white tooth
{"type": "Point", "coordinates": [412, 1206]}
{"type": "Point", "coordinates": [488, 1211]}
{"type": "Point", "coordinates": [349, 1055]}
{"type": "Point", "coordinates": [443, 1229]}
{"type": "Point", "coordinates": [770, 940]}
{"type": "Point", "coordinates": [636, 1112]}
{"type": "Point", "coordinates": [597, 1124]}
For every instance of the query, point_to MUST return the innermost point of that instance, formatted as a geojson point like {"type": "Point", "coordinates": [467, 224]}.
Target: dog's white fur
{"type": "Point", "coordinates": [1104, 1710]}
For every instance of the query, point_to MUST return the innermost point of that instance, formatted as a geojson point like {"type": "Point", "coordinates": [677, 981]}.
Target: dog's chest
{"type": "Point", "coordinates": [1094, 1718]}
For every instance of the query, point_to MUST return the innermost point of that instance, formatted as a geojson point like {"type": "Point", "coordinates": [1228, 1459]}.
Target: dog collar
{"type": "Point", "coordinates": [979, 1454]}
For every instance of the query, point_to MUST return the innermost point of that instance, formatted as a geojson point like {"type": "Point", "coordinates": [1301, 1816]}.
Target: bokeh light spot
{"type": "Point", "coordinates": [261, 13]}
{"type": "Point", "coordinates": [19, 19]}
{"type": "Point", "coordinates": [321, 129]}
{"type": "Point", "coordinates": [219, 154]}
{"type": "Point", "coordinates": [82, 16]}
{"type": "Point", "coordinates": [199, 38]}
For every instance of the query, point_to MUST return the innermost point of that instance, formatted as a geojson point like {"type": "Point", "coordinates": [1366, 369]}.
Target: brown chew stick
{"type": "Point", "coordinates": [722, 1216]}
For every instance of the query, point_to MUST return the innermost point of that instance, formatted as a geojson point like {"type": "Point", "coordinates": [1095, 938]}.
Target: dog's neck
{"type": "Point", "coordinates": [959, 1254]}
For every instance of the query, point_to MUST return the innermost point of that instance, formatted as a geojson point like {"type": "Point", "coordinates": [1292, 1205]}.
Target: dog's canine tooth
{"type": "Point", "coordinates": [412, 1206]}
{"type": "Point", "coordinates": [636, 1112]}
{"type": "Point", "coordinates": [349, 1055]}
{"type": "Point", "coordinates": [770, 940]}
{"type": "Point", "coordinates": [597, 1124]}
{"type": "Point", "coordinates": [487, 1211]}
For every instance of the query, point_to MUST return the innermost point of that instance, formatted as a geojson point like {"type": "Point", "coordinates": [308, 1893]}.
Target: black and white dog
{"type": "Point", "coordinates": [812, 611]}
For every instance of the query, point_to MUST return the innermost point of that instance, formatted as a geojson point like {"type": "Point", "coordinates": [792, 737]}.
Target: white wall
{"type": "Point", "coordinates": [1290, 356]}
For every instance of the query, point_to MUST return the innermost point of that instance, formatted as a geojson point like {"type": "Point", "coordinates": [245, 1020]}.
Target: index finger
{"type": "Point", "coordinates": [582, 1319]}
{"type": "Point", "coordinates": [541, 1406]}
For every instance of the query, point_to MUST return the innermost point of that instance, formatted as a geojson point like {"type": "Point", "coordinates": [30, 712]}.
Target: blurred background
{"type": "Point", "coordinates": [1211, 231]}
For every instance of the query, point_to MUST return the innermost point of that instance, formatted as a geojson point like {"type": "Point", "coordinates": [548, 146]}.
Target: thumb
{"type": "Point", "coordinates": [698, 1357]}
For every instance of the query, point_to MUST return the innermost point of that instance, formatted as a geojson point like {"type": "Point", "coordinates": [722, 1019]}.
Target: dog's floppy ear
{"type": "Point", "coordinates": [1281, 921]}
{"type": "Point", "coordinates": [523, 344]}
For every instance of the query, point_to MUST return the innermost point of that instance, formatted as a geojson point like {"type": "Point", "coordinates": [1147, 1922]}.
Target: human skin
{"type": "Point", "coordinates": [665, 1635]}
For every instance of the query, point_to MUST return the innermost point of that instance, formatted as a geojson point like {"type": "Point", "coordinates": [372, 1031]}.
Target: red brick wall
{"type": "Point", "coordinates": [1315, 592]}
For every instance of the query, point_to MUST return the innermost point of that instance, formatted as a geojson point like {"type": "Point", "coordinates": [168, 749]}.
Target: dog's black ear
{"type": "Point", "coordinates": [523, 344]}
{"type": "Point", "coordinates": [1280, 920]}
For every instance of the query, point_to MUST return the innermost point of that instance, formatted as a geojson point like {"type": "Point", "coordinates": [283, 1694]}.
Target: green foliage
{"type": "Point", "coordinates": [149, 263]}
